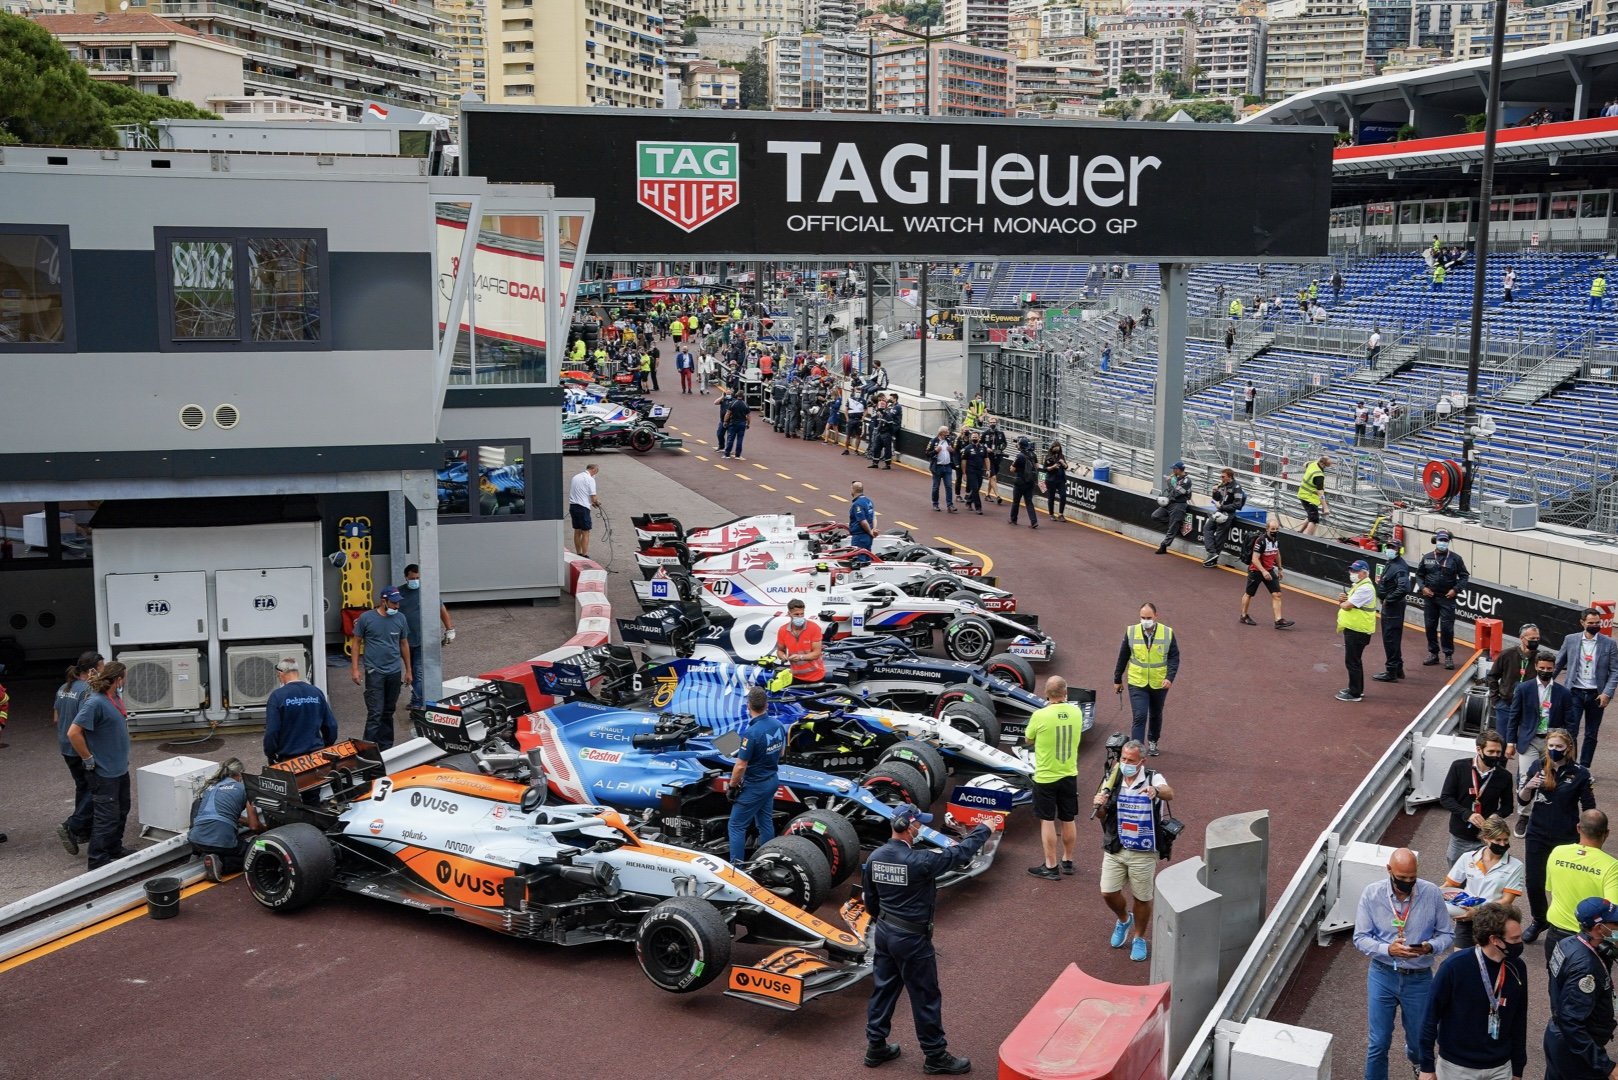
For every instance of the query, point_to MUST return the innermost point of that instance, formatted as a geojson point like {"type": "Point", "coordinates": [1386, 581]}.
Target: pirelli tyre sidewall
{"type": "Point", "coordinates": [1013, 669]}
{"type": "Point", "coordinates": [642, 439]}
{"type": "Point", "coordinates": [794, 868]}
{"type": "Point", "coordinates": [289, 867]}
{"type": "Point", "coordinates": [925, 759]}
{"type": "Point", "coordinates": [969, 639]}
{"type": "Point", "coordinates": [836, 838]}
{"type": "Point", "coordinates": [683, 944]}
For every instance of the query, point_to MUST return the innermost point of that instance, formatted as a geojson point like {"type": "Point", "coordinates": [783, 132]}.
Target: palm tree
{"type": "Point", "coordinates": [1192, 74]}
{"type": "Point", "coordinates": [1166, 80]}
{"type": "Point", "coordinates": [1131, 77]}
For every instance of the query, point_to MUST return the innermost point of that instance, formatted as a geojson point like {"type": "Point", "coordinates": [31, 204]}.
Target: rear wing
{"type": "Point", "coordinates": [665, 625]}
{"type": "Point", "coordinates": [305, 787]}
{"type": "Point", "coordinates": [463, 722]}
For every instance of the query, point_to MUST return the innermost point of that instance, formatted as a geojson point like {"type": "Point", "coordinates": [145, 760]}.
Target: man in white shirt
{"type": "Point", "coordinates": [1373, 345]}
{"type": "Point", "coordinates": [581, 496]}
{"type": "Point", "coordinates": [1591, 662]}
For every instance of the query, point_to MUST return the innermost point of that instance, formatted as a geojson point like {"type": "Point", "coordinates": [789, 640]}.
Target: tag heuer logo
{"type": "Point", "coordinates": [688, 184]}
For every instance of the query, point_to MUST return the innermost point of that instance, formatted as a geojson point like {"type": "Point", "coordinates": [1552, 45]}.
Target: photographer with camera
{"type": "Point", "coordinates": [1131, 802]}
{"type": "Point", "coordinates": [1228, 499]}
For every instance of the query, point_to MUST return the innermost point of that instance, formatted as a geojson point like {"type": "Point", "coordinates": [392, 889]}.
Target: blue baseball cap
{"type": "Point", "coordinates": [1595, 909]}
{"type": "Point", "coordinates": [392, 594]}
{"type": "Point", "coordinates": [1442, 534]}
{"type": "Point", "coordinates": [907, 815]}
{"type": "Point", "coordinates": [1177, 465]}
{"type": "Point", "coordinates": [1360, 564]}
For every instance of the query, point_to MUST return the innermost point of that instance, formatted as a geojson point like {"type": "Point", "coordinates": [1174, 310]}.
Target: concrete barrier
{"type": "Point", "coordinates": [1185, 951]}
{"type": "Point", "coordinates": [1236, 851]}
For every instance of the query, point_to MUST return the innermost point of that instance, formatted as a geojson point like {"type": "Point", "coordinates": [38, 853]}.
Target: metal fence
{"type": "Point", "coordinates": [1569, 489]}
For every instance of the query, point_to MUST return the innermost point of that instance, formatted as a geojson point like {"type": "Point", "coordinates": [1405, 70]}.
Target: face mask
{"type": "Point", "coordinates": [1401, 885]}
{"type": "Point", "coordinates": [1557, 753]}
{"type": "Point", "coordinates": [1442, 545]}
{"type": "Point", "coordinates": [797, 623]}
{"type": "Point", "coordinates": [1500, 849]}
{"type": "Point", "coordinates": [1128, 769]}
{"type": "Point", "coordinates": [1546, 676]}
{"type": "Point", "coordinates": [413, 583]}
{"type": "Point", "coordinates": [1592, 629]}
{"type": "Point", "coordinates": [1513, 949]}
{"type": "Point", "coordinates": [393, 610]}
{"type": "Point", "coordinates": [1531, 646]}
{"type": "Point", "coordinates": [1492, 762]}
{"type": "Point", "coordinates": [1147, 624]}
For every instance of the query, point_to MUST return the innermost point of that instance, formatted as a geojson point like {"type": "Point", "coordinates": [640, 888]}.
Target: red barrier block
{"type": "Point", "coordinates": [1607, 608]}
{"type": "Point", "coordinates": [587, 640]}
{"type": "Point", "coordinates": [1086, 1029]}
{"type": "Point", "coordinates": [577, 566]}
{"type": "Point", "coordinates": [598, 610]}
{"type": "Point", "coordinates": [1490, 636]}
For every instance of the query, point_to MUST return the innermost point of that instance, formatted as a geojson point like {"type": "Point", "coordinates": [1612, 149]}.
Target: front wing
{"type": "Point", "coordinates": [790, 978]}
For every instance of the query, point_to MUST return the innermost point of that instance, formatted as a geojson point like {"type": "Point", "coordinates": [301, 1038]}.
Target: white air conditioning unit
{"type": "Point", "coordinates": [163, 681]}
{"type": "Point", "coordinates": [251, 674]}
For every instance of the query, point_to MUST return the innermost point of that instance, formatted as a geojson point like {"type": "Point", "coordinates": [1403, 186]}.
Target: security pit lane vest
{"type": "Point", "coordinates": [1148, 663]}
{"type": "Point", "coordinates": [1307, 492]}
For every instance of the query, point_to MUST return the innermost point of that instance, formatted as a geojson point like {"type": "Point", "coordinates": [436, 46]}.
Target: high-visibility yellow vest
{"type": "Point", "coordinates": [1359, 618]}
{"type": "Point", "coordinates": [1307, 491]}
{"type": "Point", "coordinates": [1236, 309]}
{"type": "Point", "coordinates": [1438, 274]}
{"type": "Point", "coordinates": [578, 349]}
{"type": "Point", "coordinates": [1598, 287]}
{"type": "Point", "coordinates": [646, 362]}
{"type": "Point", "coordinates": [1149, 663]}
{"type": "Point", "coordinates": [975, 411]}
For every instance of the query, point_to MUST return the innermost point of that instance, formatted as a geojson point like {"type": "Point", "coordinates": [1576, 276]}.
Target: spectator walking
{"type": "Point", "coordinates": [685, 364]}
{"type": "Point", "coordinates": [1477, 1007]}
{"type": "Point", "coordinates": [1053, 734]}
{"type": "Point", "coordinates": [69, 696]}
{"type": "Point", "coordinates": [581, 500]}
{"type": "Point", "coordinates": [1403, 926]}
{"type": "Point", "coordinates": [1373, 346]}
{"type": "Point", "coordinates": [1598, 290]}
{"type": "Point", "coordinates": [1476, 789]}
{"type": "Point", "coordinates": [1312, 494]}
{"type": "Point", "coordinates": [854, 424]}
{"type": "Point", "coordinates": [100, 736]}
{"type": "Point", "coordinates": [1356, 621]}
{"type": "Point", "coordinates": [1393, 589]}
{"type": "Point", "coordinates": [1249, 398]}
{"type": "Point", "coordinates": [1055, 468]}
{"type": "Point", "coordinates": [1582, 1021]}
{"type": "Point", "coordinates": [941, 460]}
{"type": "Point", "coordinates": [737, 420]}
{"type": "Point", "coordinates": [1264, 568]}
{"type": "Point", "coordinates": [707, 371]}
{"type": "Point", "coordinates": [1149, 660]}
{"type": "Point", "coordinates": [1490, 873]}
{"type": "Point", "coordinates": [994, 444]}
{"type": "Point", "coordinates": [1440, 574]}
{"type": "Point", "coordinates": [1574, 873]}
{"type": "Point", "coordinates": [1538, 706]}
{"type": "Point", "coordinates": [379, 642]}
{"type": "Point", "coordinates": [974, 457]}
{"type": "Point", "coordinates": [1511, 668]}
{"type": "Point", "coordinates": [1362, 417]}
{"type": "Point", "coordinates": [297, 717]}
{"type": "Point", "coordinates": [1024, 474]}
{"type": "Point", "coordinates": [1508, 283]}
{"type": "Point", "coordinates": [410, 605]}
{"type": "Point", "coordinates": [1173, 504]}
{"type": "Point", "coordinates": [1228, 500]}
{"type": "Point", "coordinates": [1591, 662]}
{"type": "Point", "coordinates": [1555, 791]}
{"type": "Point", "coordinates": [1131, 802]}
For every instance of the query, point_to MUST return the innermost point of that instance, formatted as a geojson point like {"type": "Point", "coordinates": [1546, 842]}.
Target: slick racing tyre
{"type": "Point", "coordinates": [1013, 669]}
{"type": "Point", "coordinates": [642, 439]}
{"type": "Point", "coordinates": [289, 867]}
{"type": "Point", "coordinates": [683, 944]}
{"type": "Point", "coordinates": [969, 639]}
{"type": "Point", "coordinates": [894, 782]}
{"type": "Point", "coordinates": [973, 718]}
{"type": "Point", "coordinates": [793, 868]}
{"type": "Point", "coordinates": [939, 586]}
{"type": "Point", "coordinates": [925, 759]}
{"type": "Point", "coordinates": [834, 835]}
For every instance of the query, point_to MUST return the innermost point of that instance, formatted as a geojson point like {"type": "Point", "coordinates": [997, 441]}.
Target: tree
{"type": "Point", "coordinates": [1131, 78]}
{"type": "Point", "coordinates": [697, 20]}
{"type": "Point", "coordinates": [126, 105]}
{"type": "Point", "coordinates": [1167, 81]}
{"type": "Point", "coordinates": [44, 96]}
{"type": "Point", "coordinates": [755, 90]}
{"type": "Point", "coordinates": [1203, 112]}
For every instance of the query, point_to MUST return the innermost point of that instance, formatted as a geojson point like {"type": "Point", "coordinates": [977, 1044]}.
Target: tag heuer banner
{"type": "Point", "coordinates": [755, 186]}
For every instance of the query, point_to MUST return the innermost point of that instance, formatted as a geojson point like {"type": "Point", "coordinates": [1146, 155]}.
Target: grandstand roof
{"type": "Point", "coordinates": [1542, 142]}
{"type": "Point", "coordinates": [1550, 75]}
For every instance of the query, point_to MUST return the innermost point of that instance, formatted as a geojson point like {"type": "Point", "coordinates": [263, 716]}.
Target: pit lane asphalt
{"type": "Point", "coordinates": [353, 986]}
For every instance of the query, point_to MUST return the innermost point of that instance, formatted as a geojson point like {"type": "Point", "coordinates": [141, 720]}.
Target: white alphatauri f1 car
{"type": "Point", "coordinates": [846, 603]}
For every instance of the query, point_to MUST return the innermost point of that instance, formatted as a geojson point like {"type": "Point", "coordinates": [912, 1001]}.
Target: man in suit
{"type": "Point", "coordinates": [1540, 705]}
{"type": "Point", "coordinates": [1591, 663]}
{"type": "Point", "coordinates": [1513, 667]}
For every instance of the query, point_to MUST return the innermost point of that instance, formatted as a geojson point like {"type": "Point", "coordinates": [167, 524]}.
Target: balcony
{"type": "Point", "coordinates": [364, 72]}
{"type": "Point", "coordinates": [308, 88]}
{"type": "Point", "coordinates": [185, 11]}
{"type": "Point", "coordinates": [129, 67]}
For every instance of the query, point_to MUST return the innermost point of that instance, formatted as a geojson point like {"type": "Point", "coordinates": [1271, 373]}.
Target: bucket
{"type": "Point", "coordinates": [163, 897]}
{"type": "Point", "coordinates": [1101, 469]}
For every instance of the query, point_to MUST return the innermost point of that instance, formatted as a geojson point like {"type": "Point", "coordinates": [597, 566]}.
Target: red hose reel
{"type": "Point", "coordinates": [1441, 480]}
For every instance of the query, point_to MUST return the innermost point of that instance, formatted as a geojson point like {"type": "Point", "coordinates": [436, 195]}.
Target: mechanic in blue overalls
{"type": "Point", "coordinates": [1582, 1011]}
{"type": "Point", "coordinates": [861, 518]}
{"type": "Point", "coordinates": [899, 892]}
{"type": "Point", "coordinates": [752, 781]}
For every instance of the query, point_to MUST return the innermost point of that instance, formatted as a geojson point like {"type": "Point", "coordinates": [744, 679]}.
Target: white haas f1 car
{"type": "Point", "coordinates": [484, 849]}
{"type": "Point", "coordinates": [665, 542]}
{"type": "Point", "coordinates": [847, 603]}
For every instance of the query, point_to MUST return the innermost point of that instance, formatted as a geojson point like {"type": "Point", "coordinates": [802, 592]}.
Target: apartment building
{"type": "Point", "coordinates": [1322, 44]}
{"type": "Point", "coordinates": [1412, 58]}
{"type": "Point", "coordinates": [1023, 36]}
{"type": "Point", "coordinates": [1064, 21]}
{"type": "Point", "coordinates": [1526, 28]}
{"type": "Point", "coordinates": [604, 53]}
{"type": "Point", "coordinates": [819, 73]}
{"type": "Point", "coordinates": [705, 84]}
{"type": "Point", "coordinates": [1142, 47]}
{"type": "Point", "coordinates": [467, 48]}
{"type": "Point", "coordinates": [766, 16]}
{"type": "Point", "coordinates": [984, 23]}
{"type": "Point", "coordinates": [832, 17]}
{"type": "Point", "coordinates": [1387, 26]}
{"type": "Point", "coordinates": [342, 52]}
{"type": "Point", "coordinates": [966, 80]}
{"type": "Point", "coordinates": [1230, 54]}
{"type": "Point", "coordinates": [149, 54]}
{"type": "Point", "coordinates": [1041, 87]}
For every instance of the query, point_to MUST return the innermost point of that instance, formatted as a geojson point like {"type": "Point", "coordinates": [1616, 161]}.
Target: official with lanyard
{"type": "Point", "coordinates": [900, 892]}
{"type": "Point", "coordinates": [1477, 1013]}
{"type": "Point", "coordinates": [1403, 926]}
{"type": "Point", "coordinates": [1582, 1015]}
